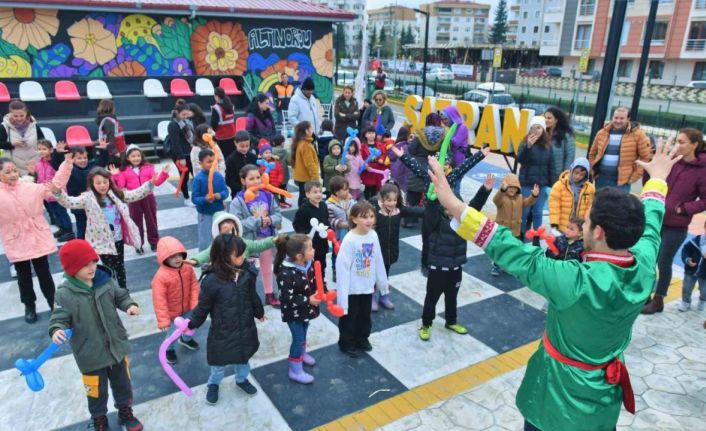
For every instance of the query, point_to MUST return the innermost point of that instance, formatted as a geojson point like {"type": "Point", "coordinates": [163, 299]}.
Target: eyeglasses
{"type": "Point", "coordinates": [378, 99]}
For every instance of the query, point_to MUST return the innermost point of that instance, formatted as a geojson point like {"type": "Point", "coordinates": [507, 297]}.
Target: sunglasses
{"type": "Point", "coordinates": [378, 99]}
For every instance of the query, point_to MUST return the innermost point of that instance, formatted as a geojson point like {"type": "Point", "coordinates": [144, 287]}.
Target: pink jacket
{"type": "Point", "coordinates": [45, 173]}
{"type": "Point", "coordinates": [128, 179]}
{"type": "Point", "coordinates": [24, 231]}
{"type": "Point", "coordinates": [353, 176]}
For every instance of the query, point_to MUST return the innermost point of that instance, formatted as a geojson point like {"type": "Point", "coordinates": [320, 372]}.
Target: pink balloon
{"type": "Point", "coordinates": [182, 328]}
{"type": "Point", "coordinates": [385, 174]}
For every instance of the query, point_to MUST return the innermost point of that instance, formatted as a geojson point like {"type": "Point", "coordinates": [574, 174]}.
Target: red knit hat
{"type": "Point", "coordinates": [76, 254]}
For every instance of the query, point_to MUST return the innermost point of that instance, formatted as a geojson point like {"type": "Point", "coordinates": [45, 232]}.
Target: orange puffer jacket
{"type": "Point", "coordinates": [174, 290]}
{"type": "Point", "coordinates": [634, 146]}
{"type": "Point", "coordinates": [561, 201]}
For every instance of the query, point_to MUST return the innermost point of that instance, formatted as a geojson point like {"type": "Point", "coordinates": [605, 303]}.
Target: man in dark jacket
{"type": "Point", "coordinates": [243, 155]}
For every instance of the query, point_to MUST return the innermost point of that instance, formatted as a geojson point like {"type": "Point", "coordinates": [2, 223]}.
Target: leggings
{"type": "Point", "coordinates": [671, 240]}
{"type": "Point", "coordinates": [24, 280]}
{"type": "Point", "coordinates": [266, 270]}
{"type": "Point", "coordinates": [144, 213]}
{"type": "Point", "coordinates": [116, 262]}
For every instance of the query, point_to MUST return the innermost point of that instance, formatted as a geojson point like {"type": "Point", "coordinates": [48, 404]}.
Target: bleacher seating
{"type": "Point", "coordinates": [78, 136]}
{"type": "Point", "coordinates": [49, 135]}
{"type": "Point", "coordinates": [153, 88]}
{"type": "Point", "coordinates": [162, 130]}
{"type": "Point", "coordinates": [66, 91]}
{"type": "Point", "coordinates": [204, 87]}
{"type": "Point", "coordinates": [4, 93]}
{"type": "Point", "coordinates": [178, 87]}
{"type": "Point", "coordinates": [241, 123]}
{"type": "Point", "coordinates": [228, 84]}
{"type": "Point", "coordinates": [97, 89]}
{"type": "Point", "coordinates": [32, 91]}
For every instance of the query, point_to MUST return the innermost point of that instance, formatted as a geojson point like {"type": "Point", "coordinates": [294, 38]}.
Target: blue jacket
{"type": "Point", "coordinates": [78, 181]}
{"type": "Point", "coordinates": [199, 190]}
{"type": "Point", "coordinates": [692, 250]}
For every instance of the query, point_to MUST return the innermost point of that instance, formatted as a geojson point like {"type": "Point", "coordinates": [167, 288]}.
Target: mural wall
{"type": "Point", "coordinates": [56, 44]}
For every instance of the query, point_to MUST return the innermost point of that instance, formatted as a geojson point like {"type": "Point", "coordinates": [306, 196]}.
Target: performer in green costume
{"type": "Point", "coordinates": [576, 380]}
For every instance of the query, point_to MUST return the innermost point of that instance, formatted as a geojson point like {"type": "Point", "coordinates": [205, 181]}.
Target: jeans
{"type": "Point", "coordinates": [172, 328]}
{"type": "Point", "coordinates": [688, 287]}
{"type": "Point", "coordinates": [601, 183]}
{"type": "Point", "coordinates": [59, 215]}
{"type": "Point", "coordinates": [24, 280]}
{"type": "Point", "coordinates": [438, 282]}
{"type": "Point", "coordinates": [535, 211]}
{"type": "Point", "coordinates": [298, 330]}
{"type": "Point", "coordinates": [218, 372]}
{"type": "Point", "coordinates": [205, 222]}
{"type": "Point", "coordinates": [671, 240]}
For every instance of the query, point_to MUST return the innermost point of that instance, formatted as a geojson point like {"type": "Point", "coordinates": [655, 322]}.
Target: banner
{"type": "Point", "coordinates": [462, 69]}
{"type": "Point", "coordinates": [360, 81]}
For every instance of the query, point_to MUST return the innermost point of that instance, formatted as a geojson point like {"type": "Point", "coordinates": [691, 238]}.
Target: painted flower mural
{"type": "Point", "coordinates": [136, 26]}
{"type": "Point", "coordinates": [92, 42]}
{"type": "Point", "coordinates": [14, 67]}
{"type": "Point", "coordinates": [219, 48]}
{"type": "Point", "coordinates": [322, 55]}
{"type": "Point", "coordinates": [128, 68]}
{"type": "Point", "coordinates": [25, 27]}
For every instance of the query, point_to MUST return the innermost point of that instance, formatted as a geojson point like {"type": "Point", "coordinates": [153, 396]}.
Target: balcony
{"type": "Point", "coordinates": [582, 43]}
{"type": "Point", "coordinates": [550, 42]}
{"type": "Point", "coordinates": [695, 45]}
{"type": "Point", "coordinates": [700, 4]}
{"type": "Point", "coordinates": [587, 9]}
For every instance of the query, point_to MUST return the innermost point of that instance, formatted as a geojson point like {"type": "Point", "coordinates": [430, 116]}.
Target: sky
{"type": "Point", "coordinates": [375, 4]}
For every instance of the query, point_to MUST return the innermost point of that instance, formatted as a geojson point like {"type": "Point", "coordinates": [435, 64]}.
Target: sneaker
{"type": "Point", "coordinates": [171, 357]}
{"type": "Point", "coordinates": [247, 387]}
{"type": "Point", "coordinates": [365, 346]}
{"type": "Point", "coordinates": [153, 247]}
{"type": "Point", "coordinates": [350, 352]}
{"type": "Point", "coordinates": [684, 306]}
{"type": "Point", "coordinates": [13, 271]}
{"type": "Point", "coordinates": [128, 420]}
{"type": "Point", "coordinates": [425, 333]}
{"type": "Point", "coordinates": [190, 344]}
{"type": "Point", "coordinates": [212, 394]}
{"type": "Point", "coordinates": [701, 306]}
{"type": "Point", "coordinates": [140, 250]}
{"type": "Point", "coordinates": [495, 271]}
{"type": "Point", "coordinates": [457, 328]}
{"type": "Point", "coordinates": [30, 313]}
{"type": "Point", "coordinates": [100, 423]}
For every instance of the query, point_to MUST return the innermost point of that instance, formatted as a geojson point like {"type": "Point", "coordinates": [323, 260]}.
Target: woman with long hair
{"type": "Point", "coordinates": [261, 124]}
{"type": "Point", "coordinates": [223, 121]}
{"type": "Point", "coordinates": [562, 139]}
{"type": "Point", "coordinates": [346, 113]}
{"type": "Point", "coordinates": [304, 159]}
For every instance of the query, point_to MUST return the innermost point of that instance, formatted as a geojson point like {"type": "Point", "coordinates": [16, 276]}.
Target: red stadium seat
{"type": "Point", "coordinates": [180, 88]}
{"type": "Point", "coordinates": [66, 90]}
{"type": "Point", "coordinates": [4, 93]}
{"type": "Point", "coordinates": [241, 123]}
{"type": "Point", "coordinates": [78, 136]}
{"type": "Point", "coordinates": [228, 84]}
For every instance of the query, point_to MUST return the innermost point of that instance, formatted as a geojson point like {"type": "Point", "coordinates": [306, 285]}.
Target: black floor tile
{"type": "Point", "coordinates": [479, 267]}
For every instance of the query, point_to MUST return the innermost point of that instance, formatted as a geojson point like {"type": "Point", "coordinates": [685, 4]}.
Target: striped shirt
{"type": "Point", "coordinates": [608, 167]}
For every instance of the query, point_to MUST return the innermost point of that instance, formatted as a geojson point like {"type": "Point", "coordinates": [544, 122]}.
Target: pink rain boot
{"type": "Point", "coordinates": [297, 373]}
{"type": "Point", "coordinates": [308, 359]}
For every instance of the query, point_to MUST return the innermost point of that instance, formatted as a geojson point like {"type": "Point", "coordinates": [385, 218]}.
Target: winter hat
{"type": "Point", "coordinates": [264, 148]}
{"type": "Point", "coordinates": [130, 148]}
{"type": "Point", "coordinates": [538, 120]}
{"type": "Point", "coordinates": [76, 254]}
{"type": "Point", "coordinates": [308, 84]}
{"type": "Point", "coordinates": [262, 142]}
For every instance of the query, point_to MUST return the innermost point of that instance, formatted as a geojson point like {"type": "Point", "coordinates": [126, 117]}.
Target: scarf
{"type": "Point", "coordinates": [22, 126]}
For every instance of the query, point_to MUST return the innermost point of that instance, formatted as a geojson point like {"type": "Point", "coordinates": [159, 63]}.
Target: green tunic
{"type": "Point", "coordinates": [593, 306]}
{"type": "Point", "coordinates": [251, 247]}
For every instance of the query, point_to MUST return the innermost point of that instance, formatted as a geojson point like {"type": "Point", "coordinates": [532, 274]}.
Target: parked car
{"type": "Point", "coordinates": [389, 83]}
{"type": "Point", "coordinates": [483, 97]}
{"type": "Point", "coordinates": [440, 74]}
{"type": "Point", "coordinates": [697, 84]}
{"type": "Point", "coordinates": [412, 89]}
{"type": "Point", "coordinates": [534, 73]}
{"type": "Point", "coordinates": [554, 71]}
{"type": "Point", "coordinates": [346, 77]}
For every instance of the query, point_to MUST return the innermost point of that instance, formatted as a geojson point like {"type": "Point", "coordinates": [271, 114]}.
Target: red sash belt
{"type": "Point", "coordinates": [616, 373]}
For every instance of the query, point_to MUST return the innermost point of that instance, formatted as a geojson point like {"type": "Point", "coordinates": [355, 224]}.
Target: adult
{"type": "Point", "coordinates": [537, 167]}
{"type": "Point", "coordinates": [380, 78]}
{"type": "Point", "coordinates": [562, 138]}
{"type": "Point", "coordinates": [305, 107]}
{"type": "Point", "coordinates": [282, 93]}
{"type": "Point", "coordinates": [459, 141]}
{"type": "Point", "coordinates": [379, 112]}
{"type": "Point", "coordinates": [180, 135]}
{"type": "Point", "coordinates": [261, 124]}
{"type": "Point", "coordinates": [197, 115]}
{"type": "Point", "coordinates": [346, 113]}
{"type": "Point", "coordinates": [25, 232]}
{"type": "Point", "coordinates": [366, 105]}
{"type": "Point", "coordinates": [616, 150]}
{"type": "Point", "coordinates": [687, 196]}
{"type": "Point", "coordinates": [19, 135]}
{"type": "Point", "coordinates": [571, 381]}
{"type": "Point", "coordinates": [223, 121]}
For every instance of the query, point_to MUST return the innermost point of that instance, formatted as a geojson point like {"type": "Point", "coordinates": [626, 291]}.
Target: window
{"type": "Point", "coordinates": [624, 68]}
{"type": "Point", "coordinates": [587, 7]}
{"type": "Point", "coordinates": [699, 71]}
{"type": "Point", "coordinates": [524, 29]}
{"type": "Point", "coordinates": [536, 14]}
{"type": "Point", "coordinates": [659, 33]}
{"type": "Point", "coordinates": [546, 29]}
{"type": "Point", "coordinates": [535, 29]}
{"type": "Point", "coordinates": [697, 36]}
{"type": "Point", "coordinates": [656, 69]}
{"type": "Point", "coordinates": [583, 37]}
{"type": "Point", "coordinates": [625, 33]}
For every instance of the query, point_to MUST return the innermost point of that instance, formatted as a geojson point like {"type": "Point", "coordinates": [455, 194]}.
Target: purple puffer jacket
{"type": "Point", "coordinates": [398, 171]}
{"type": "Point", "coordinates": [687, 183]}
{"type": "Point", "coordinates": [459, 143]}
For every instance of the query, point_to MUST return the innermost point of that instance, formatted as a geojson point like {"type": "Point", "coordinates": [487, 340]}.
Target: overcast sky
{"type": "Point", "coordinates": [374, 4]}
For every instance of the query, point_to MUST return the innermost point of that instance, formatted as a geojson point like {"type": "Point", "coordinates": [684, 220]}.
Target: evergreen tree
{"type": "Point", "coordinates": [499, 30]}
{"type": "Point", "coordinates": [382, 41]}
{"type": "Point", "coordinates": [372, 39]}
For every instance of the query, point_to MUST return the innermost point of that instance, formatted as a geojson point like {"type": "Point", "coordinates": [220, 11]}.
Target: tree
{"type": "Point", "coordinates": [372, 39]}
{"type": "Point", "coordinates": [382, 41]}
{"type": "Point", "coordinates": [359, 43]}
{"type": "Point", "coordinates": [499, 30]}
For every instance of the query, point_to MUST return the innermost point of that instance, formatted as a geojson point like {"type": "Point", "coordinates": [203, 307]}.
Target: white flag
{"type": "Point", "coordinates": [360, 80]}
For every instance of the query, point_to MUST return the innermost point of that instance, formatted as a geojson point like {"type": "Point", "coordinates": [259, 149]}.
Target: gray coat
{"type": "Point", "coordinates": [370, 114]}
{"type": "Point", "coordinates": [99, 338]}
{"type": "Point", "coordinates": [563, 154]}
{"type": "Point", "coordinates": [252, 224]}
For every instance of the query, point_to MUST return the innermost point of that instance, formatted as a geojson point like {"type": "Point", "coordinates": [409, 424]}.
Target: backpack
{"type": "Point", "coordinates": [167, 147]}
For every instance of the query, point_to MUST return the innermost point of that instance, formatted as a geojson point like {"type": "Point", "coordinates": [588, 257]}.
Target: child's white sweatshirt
{"type": "Point", "coordinates": [359, 267]}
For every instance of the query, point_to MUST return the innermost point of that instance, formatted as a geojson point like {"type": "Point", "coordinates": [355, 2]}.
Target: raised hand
{"type": "Point", "coordinates": [662, 162]}
{"type": "Point", "coordinates": [485, 150]}
{"type": "Point", "coordinates": [61, 146]}
{"type": "Point", "coordinates": [69, 157]}
{"type": "Point", "coordinates": [535, 190]}
{"type": "Point", "coordinates": [489, 182]}
{"type": "Point", "coordinates": [102, 144]}
{"type": "Point", "coordinates": [113, 170]}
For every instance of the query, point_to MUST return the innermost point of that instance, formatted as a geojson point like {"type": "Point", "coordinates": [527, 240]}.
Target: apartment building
{"type": "Point", "coordinates": [457, 22]}
{"type": "Point", "coordinates": [351, 29]}
{"type": "Point", "coordinates": [678, 49]}
{"type": "Point", "coordinates": [524, 19]}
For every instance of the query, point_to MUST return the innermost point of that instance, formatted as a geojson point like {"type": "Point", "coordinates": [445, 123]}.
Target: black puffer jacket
{"type": "Point", "coordinates": [302, 224]}
{"type": "Point", "coordinates": [446, 248]}
{"type": "Point", "coordinates": [295, 288]}
{"type": "Point", "coordinates": [537, 165]}
{"type": "Point", "coordinates": [233, 306]}
{"type": "Point", "coordinates": [420, 154]}
{"type": "Point", "coordinates": [388, 229]}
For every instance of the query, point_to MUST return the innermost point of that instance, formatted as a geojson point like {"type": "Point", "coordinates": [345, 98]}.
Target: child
{"type": "Point", "coordinates": [79, 175]}
{"type": "Point", "coordinates": [180, 136]}
{"type": "Point", "coordinates": [370, 180]}
{"type": "Point", "coordinates": [261, 218]}
{"type": "Point", "coordinates": [398, 171]}
{"type": "Point", "coordinates": [223, 122]}
{"type": "Point", "coordinates": [110, 129]}
{"type": "Point", "coordinates": [175, 291]}
{"type": "Point", "coordinates": [323, 141]}
{"type": "Point", "coordinates": [332, 163]}
{"type": "Point", "coordinates": [570, 243]}
{"type": "Point", "coordinates": [693, 254]}
{"type": "Point", "coordinates": [134, 172]}
{"type": "Point", "coordinates": [295, 276]}
{"type": "Point", "coordinates": [199, 144]}
{"type": "Point", "coordinates": [276, 172]}
{"type": "Point", "coordinates": [353, 177]}
{"type": "Point", "coordinates": [281, 154]}
{"type": "Point", "coordinates": [313, 208]}
{"type": "Point", "coordinates": [510, 203]}
{"type": "Point", "coordinates": [86, 303]}
{"type": "Point", "coordinates": [571, 195]}
{"type": "Point", "coordinates": [339, 205]}
{"type": "Point", "coordinates": [243, 155]}
{"type": "Point", "coordinates": [228, 294]}
{"type": "Point", "coordinates": [45, 173]}
{"type": "Point", "coordinates": [306, 166]}
{"type": "Point", "coordinates": [360, 269]}
{"type": "Point", "coordinates": [207, 205]}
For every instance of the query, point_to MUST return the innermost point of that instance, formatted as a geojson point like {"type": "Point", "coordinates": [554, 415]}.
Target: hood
{"type": "Point", "coordinates": [580, 162]}
{"type": "Point", "coordinates": [453, 114]}
{"type": "Point", "coordinates": [222, 216]}
{"type": "Point", "coordinates": [511, 180]}
{"type": "Point", "coordinates": [431, 137]}
{"type": "Point", "coordinates": [699, 161]}
{"type": "Point", "coordinates": [103, 276]}
{"type": "Point", "coordinates": [298, 92]}
{"type": "Point", "coordinates": [169, 246]}
{"type": "Point", "coordinates": [332, 143]}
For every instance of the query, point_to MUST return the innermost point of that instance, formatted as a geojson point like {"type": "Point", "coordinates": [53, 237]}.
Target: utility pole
{"type": "Point", "coordinates": [649, 29]}
{"type": "Point", "coordinates": [394, 37]}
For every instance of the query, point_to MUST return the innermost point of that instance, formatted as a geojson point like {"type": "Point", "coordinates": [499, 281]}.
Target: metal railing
{"type": "Point", "coordinates": [587, 8]}
{"type": "Point", "coordinates": [696, 45]}
{"type": "Point", "coordinates": [700, 4]}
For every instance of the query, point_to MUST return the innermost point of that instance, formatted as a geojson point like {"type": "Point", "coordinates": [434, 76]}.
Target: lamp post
{"type": "Point", "coordinates": [649, 29]}
{"type": "Point", "coordinates": [426, 50]}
